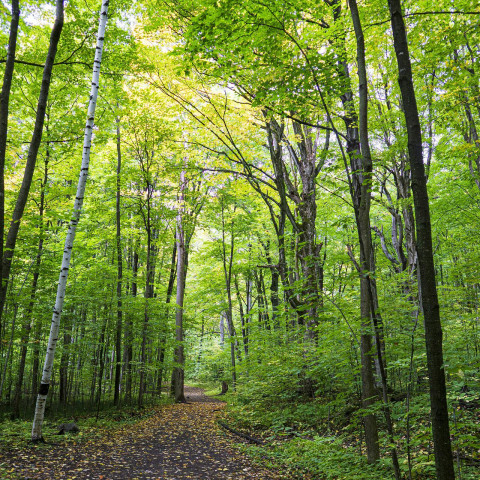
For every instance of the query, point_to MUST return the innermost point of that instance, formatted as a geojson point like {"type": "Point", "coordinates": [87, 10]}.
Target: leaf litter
{"type": "Point", "coordinates": [181, 441]}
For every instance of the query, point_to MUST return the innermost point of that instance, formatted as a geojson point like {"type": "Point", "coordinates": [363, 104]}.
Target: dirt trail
{"type": "Point", "coordinates": [179, 442]}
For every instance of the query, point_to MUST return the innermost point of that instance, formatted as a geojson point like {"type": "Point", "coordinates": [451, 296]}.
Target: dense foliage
{"type": "Point", "coordinates": [240, 124]}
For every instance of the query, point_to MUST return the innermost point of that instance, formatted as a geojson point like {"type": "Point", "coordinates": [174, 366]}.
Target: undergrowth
{"type": "Point", "coordinates": [323, 437]}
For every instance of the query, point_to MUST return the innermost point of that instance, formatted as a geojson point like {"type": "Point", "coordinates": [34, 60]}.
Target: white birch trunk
{"type": "Point", "coordinates": [67, 251]}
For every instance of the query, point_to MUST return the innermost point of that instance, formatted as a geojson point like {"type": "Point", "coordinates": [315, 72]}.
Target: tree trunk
{"type": "Point", "coordinates": [7, 356]}
{"type": "Point", "coordinates": [431, 310]}
{"type": "Point", "coordinates": [248, 309]}
{"type": "Point", "coordinates": [101, 357]}
{"type": "Point", "coordinates": [179, 356]}
{"type": "Point", "coordinates": [129, 332]}
{"type": "Point", "coordinates": [27, 326]}
{"type": "Point", "coordinates": [22, 197]}
{"type": "Point", "coordinates": [273, 286]}
{"type": "Point", "coordinates": [64, 362]}
{"type": "Point", "coordinates": [67, 252]}
{"type": "Point", "coordinates": [118, 333]}
{"type": "Point", "coordinates": [94, 364]}
{"type": "Point", "coordinates": [36, 355]}
{"type": "Point", "coordinates": [171, 282]}
{"type": "Point", "coordinates": [4, 107]}
{"type": "Point", "coordinates": [221, 326]}
{"type": "Point", "coordinates": [360, 179]}
{"type": "Point", "coordinates": [150, 275]}
{"type": "Point", "coordinates": [227, 270]}
{"type": "Point", "coordinates": [242, 317]}
{"type": "Point", "coordinates": [305, 162]}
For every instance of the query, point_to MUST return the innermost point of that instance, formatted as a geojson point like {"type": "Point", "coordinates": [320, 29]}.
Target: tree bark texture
{"type": "Point", "coordinates": [362, 170]}
{"type": "Point", "coordinates": [179, 355]}
{"type": "Point", "coordinates": [149, 284]}
{"type": "Point", "coordinates": [118, 334]}
{"type": "Point", "coordinates": [308, 162]}
{"type": "Point", "coordinates": [129, 331]}
{"type": "Point", "coordinates": [431, 310]}
{"type": "Point", "coordinates": [171, 282]}
{"type": "Point", "coordinates": [67, 252]}
{"type": "Point", "coordinates": [227, 271]}
{"type": "Point", "coordinates": [359, 181]}
{"type": "Point", "coordinates": [4, 108]}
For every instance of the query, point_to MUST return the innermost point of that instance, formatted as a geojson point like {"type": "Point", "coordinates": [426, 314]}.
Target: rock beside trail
{"type": "Point", "coordinates": [67, 428]}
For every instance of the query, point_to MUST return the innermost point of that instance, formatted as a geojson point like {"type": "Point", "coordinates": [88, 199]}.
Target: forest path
{"type": "Point", "coordinates": [181, 441]}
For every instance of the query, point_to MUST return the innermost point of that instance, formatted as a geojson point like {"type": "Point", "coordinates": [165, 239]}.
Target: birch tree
{"type": "Point", "coordinates": [67, 252]}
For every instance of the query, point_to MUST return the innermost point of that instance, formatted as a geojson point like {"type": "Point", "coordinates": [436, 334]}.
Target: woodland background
{"type": "Point", "coordinates": [240, 123]}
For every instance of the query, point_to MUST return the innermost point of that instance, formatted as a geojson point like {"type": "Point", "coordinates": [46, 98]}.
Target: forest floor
{"type": "Point", "coordinates": [181, 441]}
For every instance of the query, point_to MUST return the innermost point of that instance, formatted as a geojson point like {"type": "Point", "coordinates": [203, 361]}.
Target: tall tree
{"type": "Point", "coordinates": [227, 260]}
{"type": "Point", "coordinates": [179, 354]}
{"type": "Point", "coordinates": [429, 296]}
{"type": "Point", "coordinates": [361, 196]}
{"type": "Point", "coordinates": [12, 235]}
{"type": "Point", "coordinates": [4, 108]}
{"type": "Point", "coordinates": [118, 334]}
{"type": "Point", "coordinates": [67, 252]}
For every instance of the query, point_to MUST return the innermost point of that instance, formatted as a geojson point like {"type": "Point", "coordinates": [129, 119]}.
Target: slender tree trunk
{"type": "Point", "coordinates": [82, 353]}
{"type": "Point", "coordinates": [27, 326]}
{"type": "Point", "coordinates": [273, 286]}
{"type": "Point", "coordinates": [179, 356]}
{"type": "Point", "coordinates": [266, 316]}
{"type": "Point", "coordinates": [22, 197]}
{"type": "Point", "coordinates": [227, 270]}
{"type": "Point", "coordinates": [67, 252]}
{"type": "Point", "coordinates": [4, 107]}
{"type": "Point", "coordinates": [472, 138]}
{"type": "Point", "coordinates": [9, 352]}
{"type": "Point", "coordinates": [171, 282]}
{"type": "Point", "coordinates": [150, 275]}
{"type": "Point", "coordinates": [362, 201]}
{"type": "Point", "coordinates": [429, 297]}
{"type": "Point", "coordinates": [36, 355]}
{"type": "Point", "coordinates": [64, 362]}
{"type": "Point", "coordinates": [242, 317]}
{"type": "Point", "coordinates": [129, 332]}
{"type": "Point", "coordinates": [173, 272]}
{"type": "Point", "coordinates": [248, 309]}
{"type": "Point", "coordinates": [360, 182]}
{"type": "Point", "coordinates": [221, 328]}
{"type": "Point", "coordinates": [143, 348]}
{"type": "Point", "coordinates": [359, 190]}
{"type": "Point", "coordinates": [161, 360]}
{"type": "Point", "coordinates": [94, 364]}
{"type": "Point", "coordinates": [101, 357]}
{"type": "Point", "coordinates": [118, 335]}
